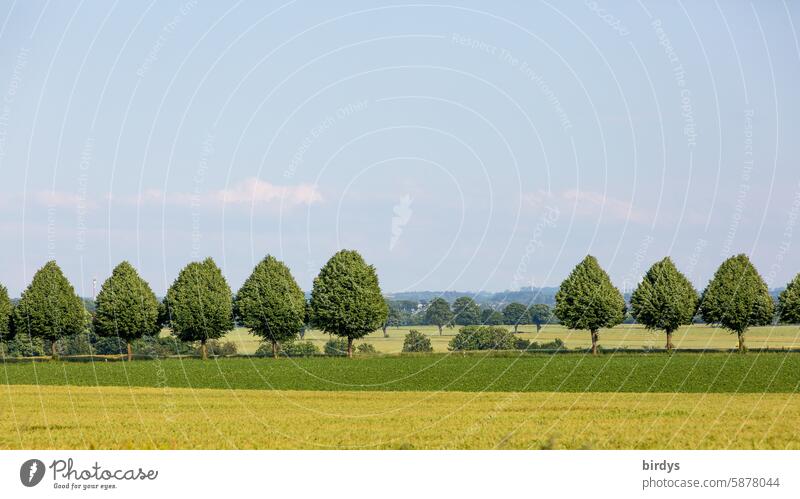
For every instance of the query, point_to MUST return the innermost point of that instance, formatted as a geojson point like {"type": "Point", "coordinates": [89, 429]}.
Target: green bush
{"type": "Point", "coordinates": [78, 344]}
{"type": "Point", "coordinates": [556, 344]}
{"type": "Point", "coordinates": [336, 347]}
{"type": "Point", "coordinates": [264, 350]}
{"type": "Point", "coordinates": [365, 348]}
{"type": "Point", "coordinates": [289, 349]}
{"type": "Point", "coordinates": [111, 345]}
{"type": "Point", "coordinates": [152, 346]}
{"type": "Point", "coordinates": [23, 346]}
{"type": "Point", "coordinates": [482, 338]}
{"type": "Point", "coordinates": [299, 349]}
{"type": "Point", "coordinates": [161, 346]}
{"type": "Point", "coordinates": [218, 348]}
{"type": "Point", "coordinates": [417, 342]}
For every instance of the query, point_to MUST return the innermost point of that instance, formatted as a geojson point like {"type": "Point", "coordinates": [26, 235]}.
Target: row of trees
{"type": "Point", "coordinates": [199, 306]}
{"type": "Point", "coordinates": [736, 298]}
{"type": "Point", "coordinates": [346, 301]}
{"type": "Point", "coordinates": [465, 312]}
{"type": "Point", "coordinates": [439, 312]}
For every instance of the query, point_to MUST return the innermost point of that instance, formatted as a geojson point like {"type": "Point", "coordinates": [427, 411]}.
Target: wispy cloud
{"type": "Point", "coordinates": [589, 204]}
{"type": "Point", "coordinates": [62, 199]}
{"type": "Point", "coordinates": [251, 191]}
{"type": "Point", "coordinates": [255, 191]}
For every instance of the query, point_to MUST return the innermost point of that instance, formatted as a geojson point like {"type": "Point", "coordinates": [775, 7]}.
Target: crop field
{"type": "Point", "coordinates": [433, 401]}
{"type": "Point", "coordinates": [634, 336]}
{"type": "Point", "coordinates": [61, 417]}
{"type": "Point", "coordinates": [639, 372]}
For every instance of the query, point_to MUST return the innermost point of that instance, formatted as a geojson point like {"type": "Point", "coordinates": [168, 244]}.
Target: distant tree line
{"type": "Point", "coordinates": [346, 302]}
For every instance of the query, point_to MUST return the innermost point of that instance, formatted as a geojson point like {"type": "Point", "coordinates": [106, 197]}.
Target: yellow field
{"type": "Point", "coordinates": [631, 336]}
{"type": "Point", "coordinates": [142, 418]}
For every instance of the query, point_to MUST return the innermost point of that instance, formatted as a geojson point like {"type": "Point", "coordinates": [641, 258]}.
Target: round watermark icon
{"type": "Point", "coordinates": [31, 472]}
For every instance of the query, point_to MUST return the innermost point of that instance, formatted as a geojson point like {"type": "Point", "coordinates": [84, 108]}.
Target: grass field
{"type": "Point", "coordinates": [640, 372]}
{"type": "Point", "coordinates": [697, 336]}
{"type": "Point", "coordinates": [59, 417]}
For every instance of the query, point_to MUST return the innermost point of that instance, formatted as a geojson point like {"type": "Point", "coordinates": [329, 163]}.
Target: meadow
{"type": "Point", "coordinates": [773, 372]}
{"type": "Point", "coordinates": [634, 336]}
{"type": "Point", "coordinates": [70, 417]}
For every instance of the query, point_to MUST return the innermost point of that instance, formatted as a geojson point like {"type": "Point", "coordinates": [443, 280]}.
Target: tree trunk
{"type": "Point", "coordinates": [350, 347]}
{"type": "Point", "coordinates": [203, 350]}
{"type": "Point", "coordinates": [130, 351]}
{"type": "Point", "coordinates": [274, 349]}
{"type": "Point", "coordinates": [440, 330]}
{"type": "Point", "coordinates": [594, 342]}
{"type": "Point", "coordinates": [385, 335]}
{"type": "Point", "coordinates": [538, 327]}
{"type": "Point", "coordinates": [742, 348]}
{"type": "Point", "coordinates": [669, 341]}
{"type": "Point", "coordinates": [53, 350]}
{"type": "Point", "coordinates": [515, 328]}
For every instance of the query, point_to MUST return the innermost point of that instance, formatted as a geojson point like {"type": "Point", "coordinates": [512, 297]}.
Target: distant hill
{"type": "Point", "coordinates": [524, 295]}
{"type": "Point", "coordinates": [546, 295]}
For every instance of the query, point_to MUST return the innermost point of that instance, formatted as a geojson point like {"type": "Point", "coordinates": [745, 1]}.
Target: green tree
{"type": "Point", "coordinates": [789, 302]}
{"type": "Point", "coordinates": [539, 314]}
{"type": "Point", "coordinates": [665, 299]}
{"type": "Point", "coordinates": [394, 318]}
{"type": "Point", "coordinates": [6, 331]}
{"type": "Point", "coordinates": [737, 298]}
{"type": "Point", "coordinates": [439, 313]}
{"type": "Point", "coordinates": [588, 300]}
{"type": "Point", "coordinates": [491, 317]}
{"type": "Point", "coordinates": [346, 299]}
{"type": "Point", "coordinates": [198, 305]}
{"type": "Point", "coordinates": [417, 342]}
{"type": "Point", "coordinates": [466, 312]}
{"type": "Point", "coordinates": [271, 304]}
{"type": "Point", "coordinates": [306, 319]}
{"type": "Point", "coordinates": [49, 308]}
{"type": "Point", "coordinates": [515, 314]}
{"type": "Point", "coordinates": [126, 307]}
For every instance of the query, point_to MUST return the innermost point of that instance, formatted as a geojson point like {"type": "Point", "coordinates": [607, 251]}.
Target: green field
{"type": "Point", "coordinates": [639, 372]}
{"type": "Point", "coordinates": [697, 336]}
{"type": "Point", "coordinates": [434, 401]}
{"type": "Point", "coordinates": [58, 417]}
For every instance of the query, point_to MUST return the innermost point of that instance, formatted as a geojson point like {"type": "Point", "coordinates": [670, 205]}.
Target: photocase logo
{"type": "Point", "coordinates": [402, 214]}
{"type": "Point", "coordinates": [31, 472]}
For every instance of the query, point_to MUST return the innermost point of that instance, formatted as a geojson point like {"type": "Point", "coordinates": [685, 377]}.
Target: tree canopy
{"type": "Point", "coordinates": [789, 302]}
{"type": "Point", "coordinates": [515, 314]}
{"type": "Point", "coordinates": [588, 300]}
{"type": "Point", "coordinates": [6, 331]}
{"type": "Point", "coordinates": [491, 317]}
{"type": "Point", "coordinates": [539, 314]}
{"type": "Point", "coordinates": [665, 299]}
{"type": "Point", "coordinates": [394, 317]}
{"type": "Point", "coordinates": [466, 312]}
{"type": "Point", "coordinates": [126, 307]}
{"type": "Point", "coordinates": [346, 299]}
{"type": "Point", "coordinates": [49, 308]}
{"type": "Point", "coordinates": [271, 304]}
{"type": "Point", "coordinates": [198, 305]}
{"type": "Point", "coordinates": [439, 313]}
{"type": "Point", "coordinates": [737, 297]}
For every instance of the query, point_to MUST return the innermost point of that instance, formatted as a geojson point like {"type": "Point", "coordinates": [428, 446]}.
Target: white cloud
{"type": "Point", "coordinates": [255, 191]}
{"type": "Point", "coordinates": [589, 204]}
{"type": "Point", "coordinates": [60, 199]}
{"type": "Point", "coordinates": [250, 191]}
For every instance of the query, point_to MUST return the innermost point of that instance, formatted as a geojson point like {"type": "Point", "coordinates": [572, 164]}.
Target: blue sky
{"type": "Point", "coordinates": [478, 146]}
